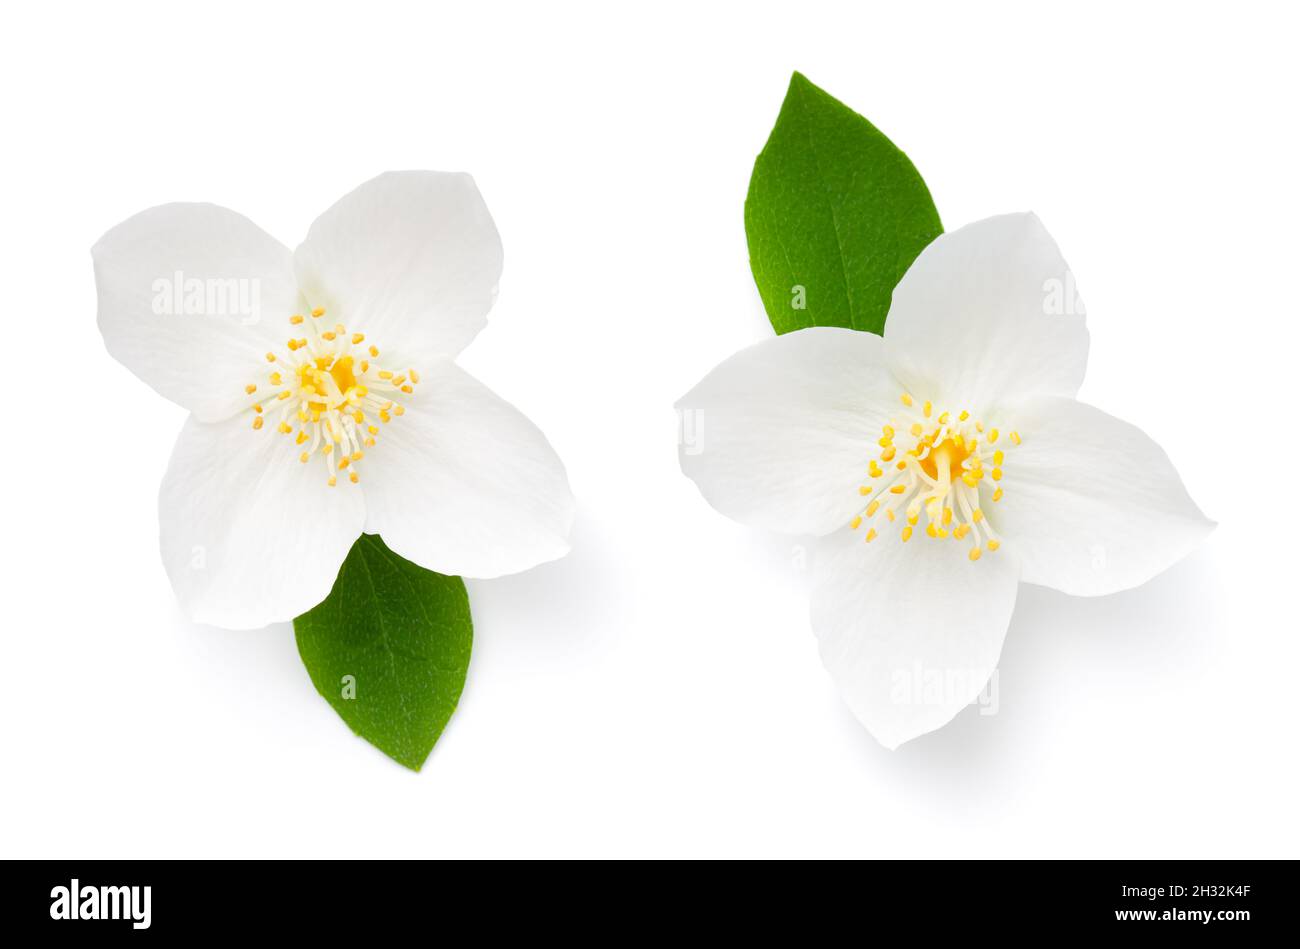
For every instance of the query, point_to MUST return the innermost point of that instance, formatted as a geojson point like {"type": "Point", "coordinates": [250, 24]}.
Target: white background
{"type": "Point", "coordinates": [658, 692]}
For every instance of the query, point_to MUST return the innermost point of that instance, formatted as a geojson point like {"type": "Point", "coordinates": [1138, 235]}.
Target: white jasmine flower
{"type": "Point", "coordinates": [324, 400]}
{"type": "Point", "coordinates": [940, 465]}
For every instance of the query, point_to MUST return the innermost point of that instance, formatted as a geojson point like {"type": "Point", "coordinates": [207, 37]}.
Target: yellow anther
{"type": "Point", "coordinates": [304, 456]}
{"type": "Point", "coordinates": [385, 374]}
{"type": "Point", "coordinates": [1015, 438]}
{"type": "Point", "coordinates": [997, 474]}
{"type": "Point", "coordinates": [283, 394]}
{"type": "Point", "coordinates": [994, 544]}
{"type": "Point", "coordinates": [887, 431]}
{"type": "Point", "coordinates": [907, 533]}
{"type": "Point", "coordinates": [855, 523]}
{"type": "Point", "coordinates": [357, 456]}
{"type": "Point", "coordinates": [998, 457]}
{"type": "Point", "coordinates": [329, 448]}
{"type": "Point", "coordinates": [874, 469]}
{"type": "Point", "coordinates": [942, 533]}
{"type": "Point", "coordinates": [993, 435]}
{"type": "Point", "coordinates": [344, 462]}
{"type": "Point", "coordinates": [971, 445]}
{"type": "Point", "coordinates": [270, 357]}
{"type": "Point", "coordinates": [353, 477]}
{"type": "Point", "coordinates": [975, 553]}
{"type": "Point", "coordinates": [332, 481]}
{"type": "Point", "coordinates": [864, 490]}
{"type": "Point", "coordinates": [916, 429]}
{"type": "Point", "coordinates": [340, 329]}
{"type": "Point", "coordinates": [907, 399]}
{"type": "Point", "coordinates": [365, 366]}
{"type": "Point", "coordinates": [372, 429]}
{"type": "Point", "coordinates": [318, 312]}
{"type": "Point", "coordinates": [374, 351]}
{"type": "Point", "coordinates": [943, 419]}
{"type": "Point", "coordinates": [888, 453]}
{"type": "Point", "coordinates": [931, 530]}
{"type": "Point", "coordinates": [997, 495]}
{"type": "Point", "coordinates": [913, 517]}
{"type": "Point", "coordinates": [369, 443]}
{"type": "Point", "coordinates": [885, 441]}
{"type": "Point", "coordinates": [871, 535]}
{"type": "Point", "coordinates": [947, 516]}
{"type": "Point", "coordinates": [285, 428]}
{"type": "Point", "coordinates": [257, 422]}
{"type": "Point", "coordinates": [257, 408]}
{"type": "Point", "coordinates": [362, 392]}
{"type": "Point", "coordinates": [872, 508]}
{"type": "Point", "coordinates": [398, 380]}
{"type": "Point", "coordinates": [407, 389]}
{"type": "Point", "coordinates": [977, 516]}
{"type": "Point", "coordinates": [301, 439]}
{"type": "Point", "coordinates": [900, 466]}
{"type": "Point", "coordinates": [960, 531]}
{"type": "Point", "coordinates": [889, 513]}
{"type": "Point", "coordinates": [927, 409]}
{"type": "Point", "coordinates": [275, 379]}
{"type": "Point", "coordinates": [415, 376]}
{"type": "Point", "coordinates": [250, 388]}
{"type": "Point", "coordinates": [964, 416]}
{"type": "Point", "coordinates": [358, 417]}
{"type": "Point", "coordinates": [384, 416]}
{"type": "Point", "coordinates": [971, 479]}
{"type": "Point", "coordinates": [296, 319]}
{"type": "Point", "coordinates": [898, 489]}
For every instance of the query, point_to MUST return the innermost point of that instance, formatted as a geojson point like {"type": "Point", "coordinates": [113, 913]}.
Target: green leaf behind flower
{"type": "Point", "coordinates": [389, 649]}
{"type": "Point", "coordinates": [835, 216]}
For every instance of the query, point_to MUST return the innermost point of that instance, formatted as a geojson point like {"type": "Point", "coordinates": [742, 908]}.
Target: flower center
{"type": "Point", "coordinates": [935, 464]}
{"type": "Point", "coordinates": [331, 394]}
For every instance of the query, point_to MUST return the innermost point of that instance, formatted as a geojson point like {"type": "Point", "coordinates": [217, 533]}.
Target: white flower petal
{"type": "Point", "coordinates": [910, 632]}
{"type": "Point", "coordinates": [464, 484]}
{"type": "Point", "coordinates": [779, 436]}
{"type": "Point", "coordinates": [987, 315]}
{"type": "Point", "coordinates": [410, 258]}
{"type": "Point", "coordinates": [233, 283]}
{"type": "Point", "coordinates": [1091, 504]}
{"type": "Point", "coordinates": [250, 536]}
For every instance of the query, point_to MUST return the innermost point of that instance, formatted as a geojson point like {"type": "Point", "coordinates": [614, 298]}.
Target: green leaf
{"type": "Point", "coordinates": [835, 216]}
{"type": "Point", "coordinates": [389, 649]}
